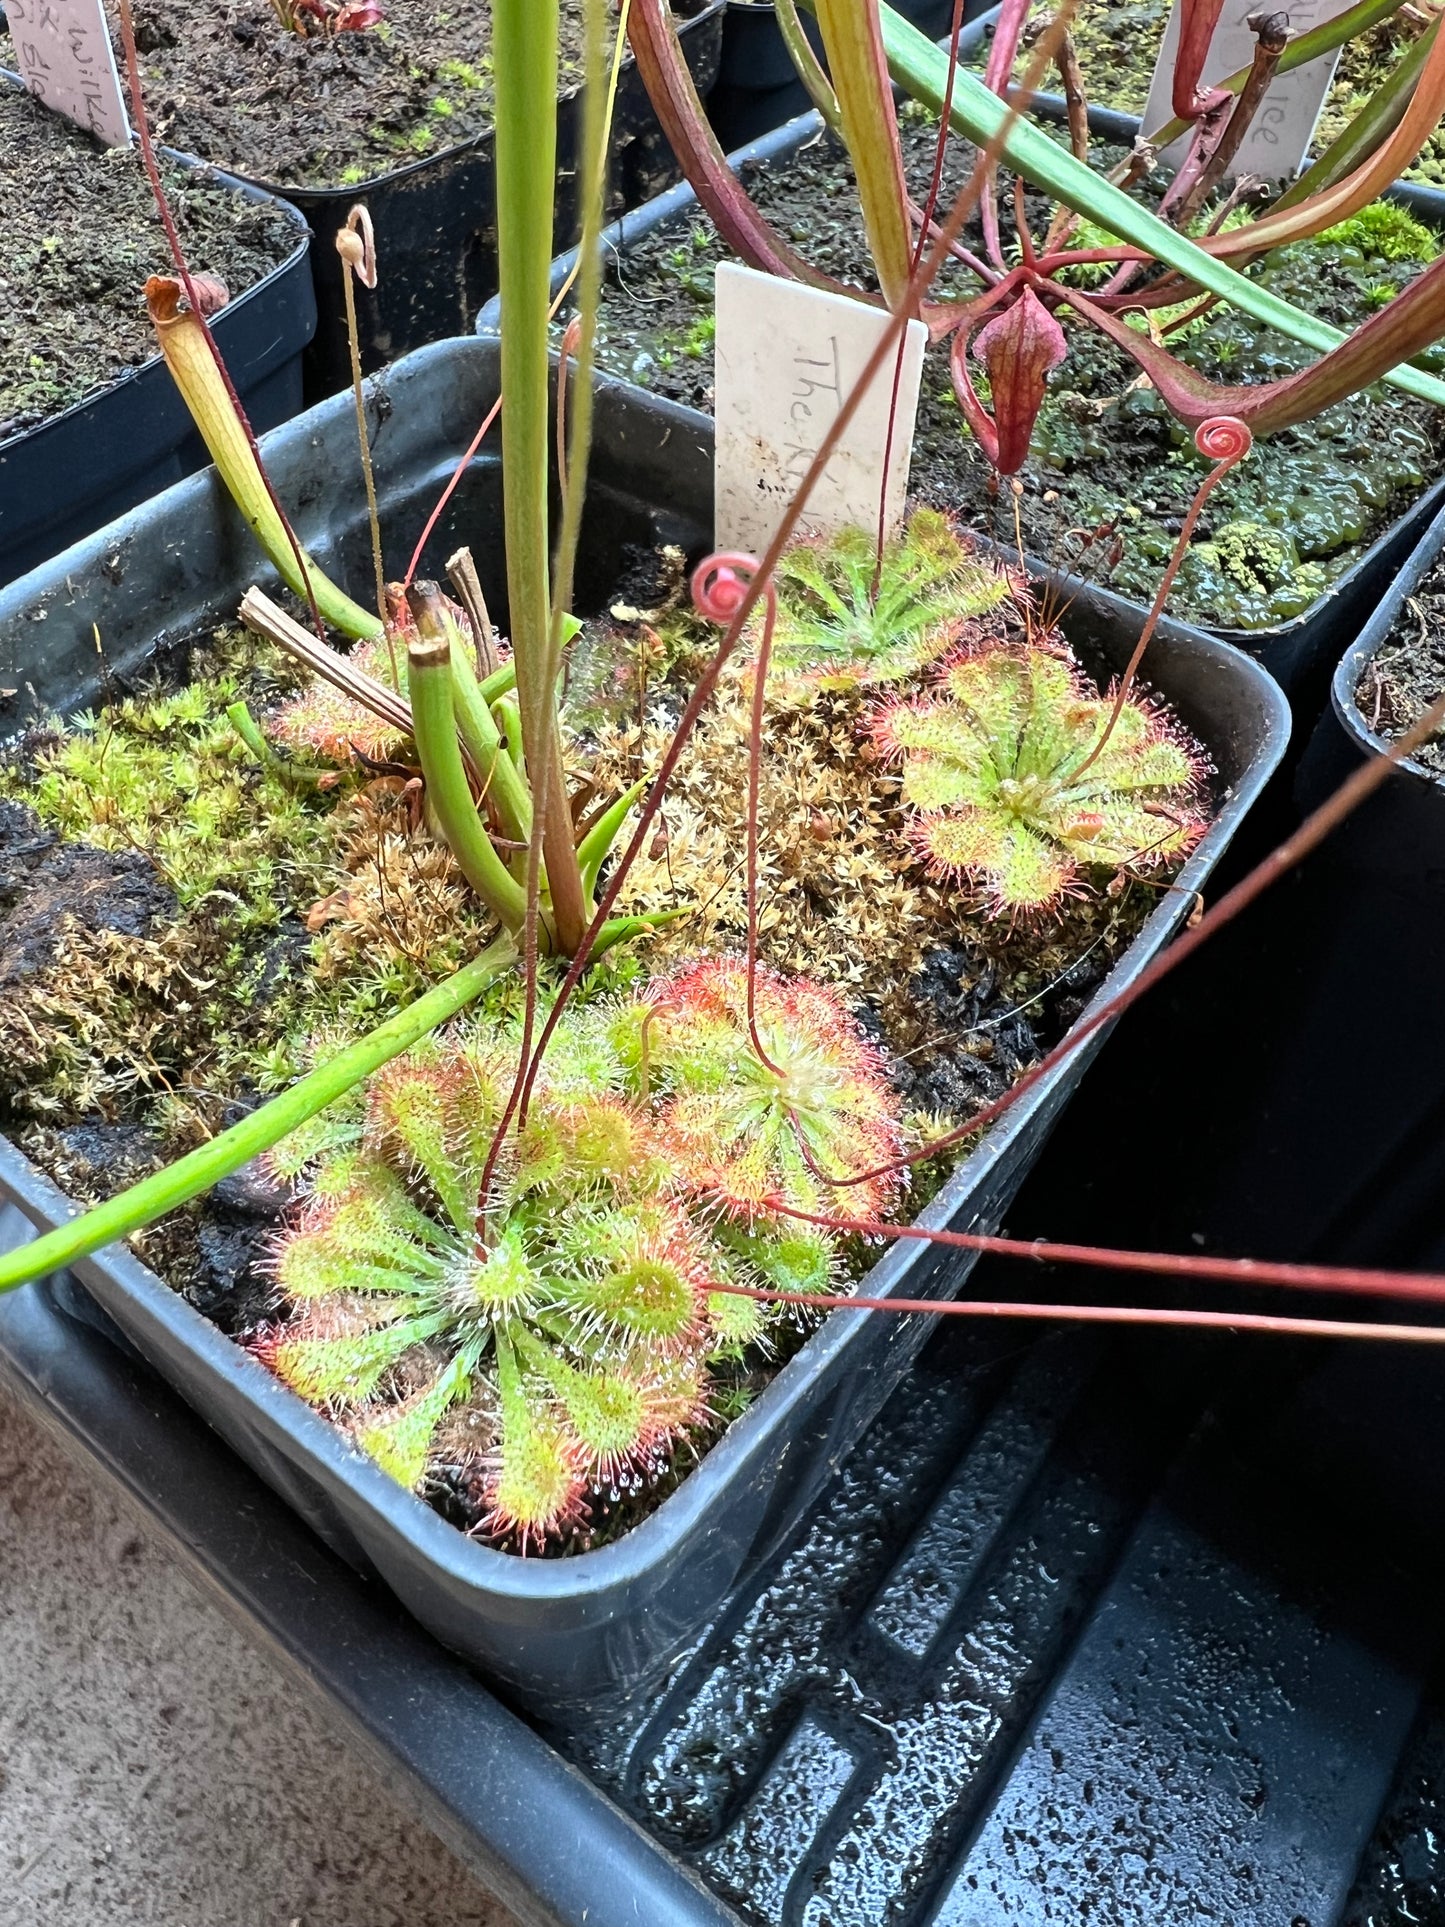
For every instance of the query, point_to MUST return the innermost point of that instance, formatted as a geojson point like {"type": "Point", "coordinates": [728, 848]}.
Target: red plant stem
{"type": "Point", "coordinates": [1229, 441]}
{"type": "Point", "coordinates": [1197, 21]}
{"type": "Point", "coordinates": [1007, 35]}
{"type": "Point", "coordinates": [1103, 1315]}
{"type": "Point", "coordinates": [755, 778]}
{"type": "Point", "coordinates": [1423, 1287]}
{"type": "Point", "coordinates": [1312, 832]}
{"type": "Point", "coordinates": [961, 254]}
{"type": "Point", "coordinates": [446, 495]}
{"type": "Point", "coordinates": [197, 307]}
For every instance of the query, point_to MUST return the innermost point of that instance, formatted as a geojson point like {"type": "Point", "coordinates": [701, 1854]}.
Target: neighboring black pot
{"type": "Point", "coordinates": [757, 85]}
{"type": "Point", "coordinates": [435, 220]}
{"type": "Point", "coordinates": [93, 461]}
{"type": "Point", "coordinates": [568, 1636]}
{"type": "Point", "coordinates": [1299, 653]}
{"type": "Point", "coordinates": [1329, 1140]}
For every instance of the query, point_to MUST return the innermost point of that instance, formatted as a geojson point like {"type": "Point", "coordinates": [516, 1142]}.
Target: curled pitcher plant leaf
{"type": "Point", "coordinates": [1019, 347]}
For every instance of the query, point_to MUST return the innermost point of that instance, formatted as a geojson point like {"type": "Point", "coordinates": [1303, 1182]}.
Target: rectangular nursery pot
{"type": "Point", "coordinates": [83, 467]}
{"type": "Point", "coordinates": [1298, 653]}
{"type": "Point", "coordinates": [567, 1637]}
{"type": "Point", "coordinates": [757, 85]}
{"type": "Point", "coordinates": [435, 220]}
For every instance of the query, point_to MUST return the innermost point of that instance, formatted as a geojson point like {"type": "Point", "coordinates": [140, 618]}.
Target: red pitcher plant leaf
{"type": "Point", "coordinates": [1197, 22]}
{"type": "Point", "coordinates": [1410, 323]}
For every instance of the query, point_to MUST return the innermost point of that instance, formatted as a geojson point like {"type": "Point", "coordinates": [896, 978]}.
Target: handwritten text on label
{"type": "Point", "coordinates": [787, 358]}
{"type": "Point", "coordinates": [63, 51]}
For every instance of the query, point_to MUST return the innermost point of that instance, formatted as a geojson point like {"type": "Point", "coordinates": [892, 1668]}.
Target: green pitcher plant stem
{"type": "Point", "coordinates": [810, 70]}
{"type": "Point", "coordinates": [980, 116]}
{"type": "Point", "coordinates": [448, 793]}
{"type": "Point", "coordinates": [193, 369]}
{"type": "Point", "coordinates": [856, 63]}
{"type": "Point", "coordinates": [491, 759]}
{"type": "Point", "coordinates": [525, 62]}
{"type": "Point", "coordinates": [199, 1170]}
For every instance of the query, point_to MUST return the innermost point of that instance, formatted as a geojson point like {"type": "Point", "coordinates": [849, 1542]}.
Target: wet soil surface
{"type": "Point", "coordinates": [1285, 524]}
{"type": "Point", "coordinates": [230, 83]}
{"type": "Point", "coordinates": [1408, 674]}
{"type": "Point", "coordinates": [82, 235]}
{"type": "Point", "coordinates": [48, 886]}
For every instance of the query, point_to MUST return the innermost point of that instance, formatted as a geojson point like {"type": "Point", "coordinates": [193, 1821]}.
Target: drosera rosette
{"type": "Point", "coordinates": [848, 618]}
{"type": "Point", "coordinates": [571, 1299]}
{"type": "Point", "coordinates": [579, 1307]}
{"type": "Point", "coordinates": [755, 1135]}
{"type": "Point", "coordinates": [1025, 784]}
{"type": "Point", "coordinates": [324, 721]}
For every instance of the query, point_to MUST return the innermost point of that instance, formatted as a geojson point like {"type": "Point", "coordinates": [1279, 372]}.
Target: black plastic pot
{"type": "Point", "coordinates": [1348, 1143]}
{"type": "Point", "coordinates": [435, 220]}
{"type": "Point", "coordinates": [89, 464]}
{"type": "Point", "coordinates": [757, 85]}
{"type": "Point", "coordinates": [566, 1636]}
{"type": "Point", "coordinates": [1299, 653]}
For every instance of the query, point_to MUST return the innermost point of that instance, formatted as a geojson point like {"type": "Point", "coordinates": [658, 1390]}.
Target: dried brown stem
{"type": "Point", "coordinates": [462, 573]}
{"type": "Point", "coordinates": [265, 618]}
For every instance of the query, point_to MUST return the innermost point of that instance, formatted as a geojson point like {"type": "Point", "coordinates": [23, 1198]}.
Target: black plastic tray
{"type": "Point", "coordinates": [82, 468]}
{"type": "Point", "coordinates": [565, 1636]}
{"type": "Point", "coordinates": [435, 221]}
{"type": "Point", "coordinates": [1348, 1144]}
{"type": "Point", "coordinates": [1088, 1630]}
{"type": "Point", "coordinates": [1299, 653]}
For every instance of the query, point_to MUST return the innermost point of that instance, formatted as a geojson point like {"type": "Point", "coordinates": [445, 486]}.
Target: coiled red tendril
{"type": "Point", "coordinates": [720, 584]}
{"type": "Point", "coordinates": [717, 587]}
{"type": "Point", "coordinates": [1224, 438]}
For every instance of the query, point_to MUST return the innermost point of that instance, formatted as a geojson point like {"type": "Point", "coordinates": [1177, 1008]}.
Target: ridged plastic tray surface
{"type": "Point", "coordinates": [1089, 1629]}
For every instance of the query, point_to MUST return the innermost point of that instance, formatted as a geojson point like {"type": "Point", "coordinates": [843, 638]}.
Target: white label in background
{"type": "Point", "coordinates": [63, 51]}
{"type": "Point", "coordinates": [787, 358]}
{"type": "Point", "coordinates": [1280, 135]}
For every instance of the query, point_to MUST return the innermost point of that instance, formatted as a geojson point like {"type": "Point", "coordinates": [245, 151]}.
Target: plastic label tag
{"type": "Point", "coordinates": [63, 51]}
{"type": "Point", "coordinates": [1280, 134]}
{"type": "Point", "coordinates": [787, 358]}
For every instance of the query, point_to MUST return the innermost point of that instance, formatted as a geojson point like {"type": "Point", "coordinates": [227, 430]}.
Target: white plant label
{"type": "Point", "coordinates": [787, 358]}
{"type": "Point", "coordinates": [63, 51]}
{"type": "Point", "coordinates": [1282, 130]}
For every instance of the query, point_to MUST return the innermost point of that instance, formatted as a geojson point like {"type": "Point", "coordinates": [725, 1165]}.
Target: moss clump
{"type": "Point", "coordinates": [280, 908]}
